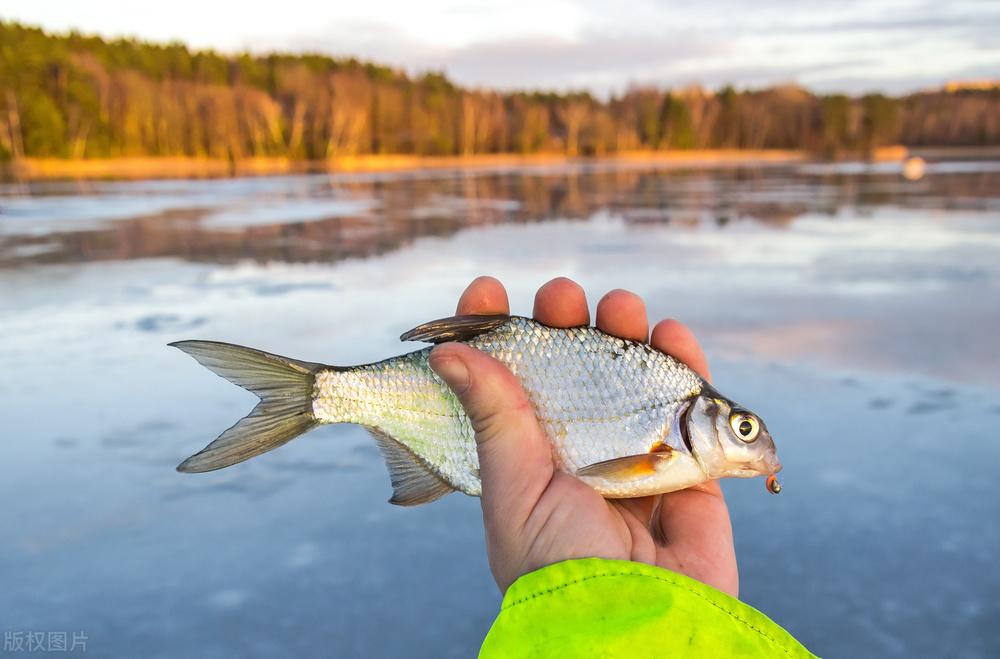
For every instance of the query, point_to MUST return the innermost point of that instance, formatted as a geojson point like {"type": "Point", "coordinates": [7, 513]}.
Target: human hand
{"type": "Point", "coordinates": [535, 515]}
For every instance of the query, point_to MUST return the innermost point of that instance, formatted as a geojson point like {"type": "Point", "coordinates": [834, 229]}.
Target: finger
{"type": "Point", "coordinates": [515, 457]}
{"type": "Point", "coordinates": [695, 524]}
{"type": "Point", "coordinates": [623, 314]}
{"type": "Point", "coordinates": [634, 514]}
{"type": "Point", "coordinates": [485, 295]}
{"type": "Point", "coordinates": [561, 303]}
{"type": "Point", "coordinates": [641, 507]}
{"type": "Point", "coordinates": [675, 339]}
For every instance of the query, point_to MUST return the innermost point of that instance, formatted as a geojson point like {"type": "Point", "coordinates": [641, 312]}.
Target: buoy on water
{"type": "Point", "coordinates": [914, 168]}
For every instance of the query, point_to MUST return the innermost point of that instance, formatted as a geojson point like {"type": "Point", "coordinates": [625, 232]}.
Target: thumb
{"type": "Point", "coordinates": [515, 456]}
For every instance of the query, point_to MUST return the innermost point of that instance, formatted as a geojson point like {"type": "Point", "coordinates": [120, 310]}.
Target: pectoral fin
{"type": "Point", "coordinates": [630, 467]}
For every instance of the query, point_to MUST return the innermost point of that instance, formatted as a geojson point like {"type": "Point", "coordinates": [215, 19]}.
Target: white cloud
{"type": "Point", "coordinates": [598, 44]}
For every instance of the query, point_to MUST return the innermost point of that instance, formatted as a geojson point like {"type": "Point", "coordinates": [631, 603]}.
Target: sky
{"type": "Point", "coordinates": [600, 45]}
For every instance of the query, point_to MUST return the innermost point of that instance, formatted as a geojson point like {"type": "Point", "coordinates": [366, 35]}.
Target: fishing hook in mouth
{"type": "Point", "coordinates": [772, 484]}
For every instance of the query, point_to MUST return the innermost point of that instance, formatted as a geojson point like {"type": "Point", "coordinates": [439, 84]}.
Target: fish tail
{"type": "Point", "coordinates": [285, 388]}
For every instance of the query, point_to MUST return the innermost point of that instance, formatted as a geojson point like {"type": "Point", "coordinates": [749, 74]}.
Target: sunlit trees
{"type": "Point", "coordinates": [880, 123]}
{"type": "Point", "coordinates": [528, 123]}
{"type": "Point", "coordinates": [962, 118]}
{"type": "Point", "coordinates": [78, 96]}
{"type": "Point", "coordinates": [838, 130]}
{"type": "Point", "coordinates": [572, 110]}
{"type": "Point", "coordinates": [347, 113]}
{"type": "Point", "coordinates": [729, 121]}
{"type": "Point", "coordinates": [675, 119]}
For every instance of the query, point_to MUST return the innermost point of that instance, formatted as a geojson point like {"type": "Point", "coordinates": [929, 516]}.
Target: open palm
{"type": "Point", "coordinates": [535, 515]}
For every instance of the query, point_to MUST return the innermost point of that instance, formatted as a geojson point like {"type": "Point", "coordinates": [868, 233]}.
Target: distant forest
{"type": "Point", "coordinates": [77, 96]}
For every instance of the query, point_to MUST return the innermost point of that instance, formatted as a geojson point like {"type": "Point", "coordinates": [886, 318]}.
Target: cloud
{"type": "Point", "coordinates": [601, 45]}
{"type": "Point", "coordinates": [860, 45]}
{"type": "Point", "coordinates": [597, 61]}
{"type": "Point", "coordinates": [367, 39]}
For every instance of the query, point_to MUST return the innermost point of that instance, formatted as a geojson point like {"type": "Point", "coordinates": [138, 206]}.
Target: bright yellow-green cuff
{"type": "Point", "coordinates": [594, 607]}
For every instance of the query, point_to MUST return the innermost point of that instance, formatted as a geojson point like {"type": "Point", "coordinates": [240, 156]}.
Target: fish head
{"type": "Point", "coordinates": [730, 440]}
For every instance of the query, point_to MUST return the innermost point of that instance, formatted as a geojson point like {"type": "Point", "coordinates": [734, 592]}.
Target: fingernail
{"type": "Point", "coordinates": [453, 371]}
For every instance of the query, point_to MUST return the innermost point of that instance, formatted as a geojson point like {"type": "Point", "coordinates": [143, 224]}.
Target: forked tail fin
{"type": "Point", "coordinates": [285, 388]}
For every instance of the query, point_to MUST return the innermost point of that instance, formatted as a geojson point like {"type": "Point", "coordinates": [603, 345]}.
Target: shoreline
{"type": "Point", "coordinates": [31, 169]}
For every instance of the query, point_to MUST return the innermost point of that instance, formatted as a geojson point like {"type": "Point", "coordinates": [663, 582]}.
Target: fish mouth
{"type": "Point", "coordinates": [767, 465]}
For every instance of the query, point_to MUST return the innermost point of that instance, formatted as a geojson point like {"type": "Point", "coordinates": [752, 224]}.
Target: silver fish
{"type": "Point", "coordinates": [623, 417]}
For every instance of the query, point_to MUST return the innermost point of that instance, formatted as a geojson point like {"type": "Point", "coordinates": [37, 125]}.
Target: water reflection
{"type": "Point", "coordinates": [329, 218]}
{"type": "Point", "coordinates": [854, 310]}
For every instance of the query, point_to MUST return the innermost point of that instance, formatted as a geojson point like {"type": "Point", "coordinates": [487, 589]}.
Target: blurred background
{"type": "Point", "coordinates": [815, 190]}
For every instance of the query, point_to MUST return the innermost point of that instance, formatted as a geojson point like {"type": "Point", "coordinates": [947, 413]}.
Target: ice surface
{"type": "Point", "coordinates": [857, 312]}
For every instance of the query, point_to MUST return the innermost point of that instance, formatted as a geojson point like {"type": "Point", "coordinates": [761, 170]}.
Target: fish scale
{"type": "Point", "coordinates": [598, 397]}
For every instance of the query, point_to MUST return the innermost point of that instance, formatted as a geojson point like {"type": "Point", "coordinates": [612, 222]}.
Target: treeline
{"type": "Point", "coordinates": [78, 96]}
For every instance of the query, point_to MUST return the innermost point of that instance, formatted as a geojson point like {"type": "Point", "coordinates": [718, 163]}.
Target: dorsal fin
{"type": "Point", "coordinates": [413, 481]}
{"type": "Point", "coordinates": [455, 328]}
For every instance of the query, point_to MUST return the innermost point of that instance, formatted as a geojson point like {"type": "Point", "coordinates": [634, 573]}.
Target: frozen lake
{"type": "Point", "coordinates": [857, 312]}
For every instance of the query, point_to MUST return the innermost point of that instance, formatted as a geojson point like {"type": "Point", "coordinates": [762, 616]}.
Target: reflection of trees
{"type": "Point", "coordinates": [410, 208]}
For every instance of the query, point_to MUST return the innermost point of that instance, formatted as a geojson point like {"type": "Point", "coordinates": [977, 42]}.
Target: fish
{"type": "Point", "coordinates": [623, 417]}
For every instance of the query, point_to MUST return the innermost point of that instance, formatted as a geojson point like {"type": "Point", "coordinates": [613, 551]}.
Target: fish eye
{"type": "Point", "coordinates": [746, 426]}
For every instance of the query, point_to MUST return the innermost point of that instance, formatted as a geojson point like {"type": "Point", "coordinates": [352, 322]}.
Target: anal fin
{"type": "Point", "coordinates": [413, 481]}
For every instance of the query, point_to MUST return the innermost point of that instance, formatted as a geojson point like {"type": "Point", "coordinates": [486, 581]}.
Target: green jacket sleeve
{"type": "Point", "coordinates": [593, 607]}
